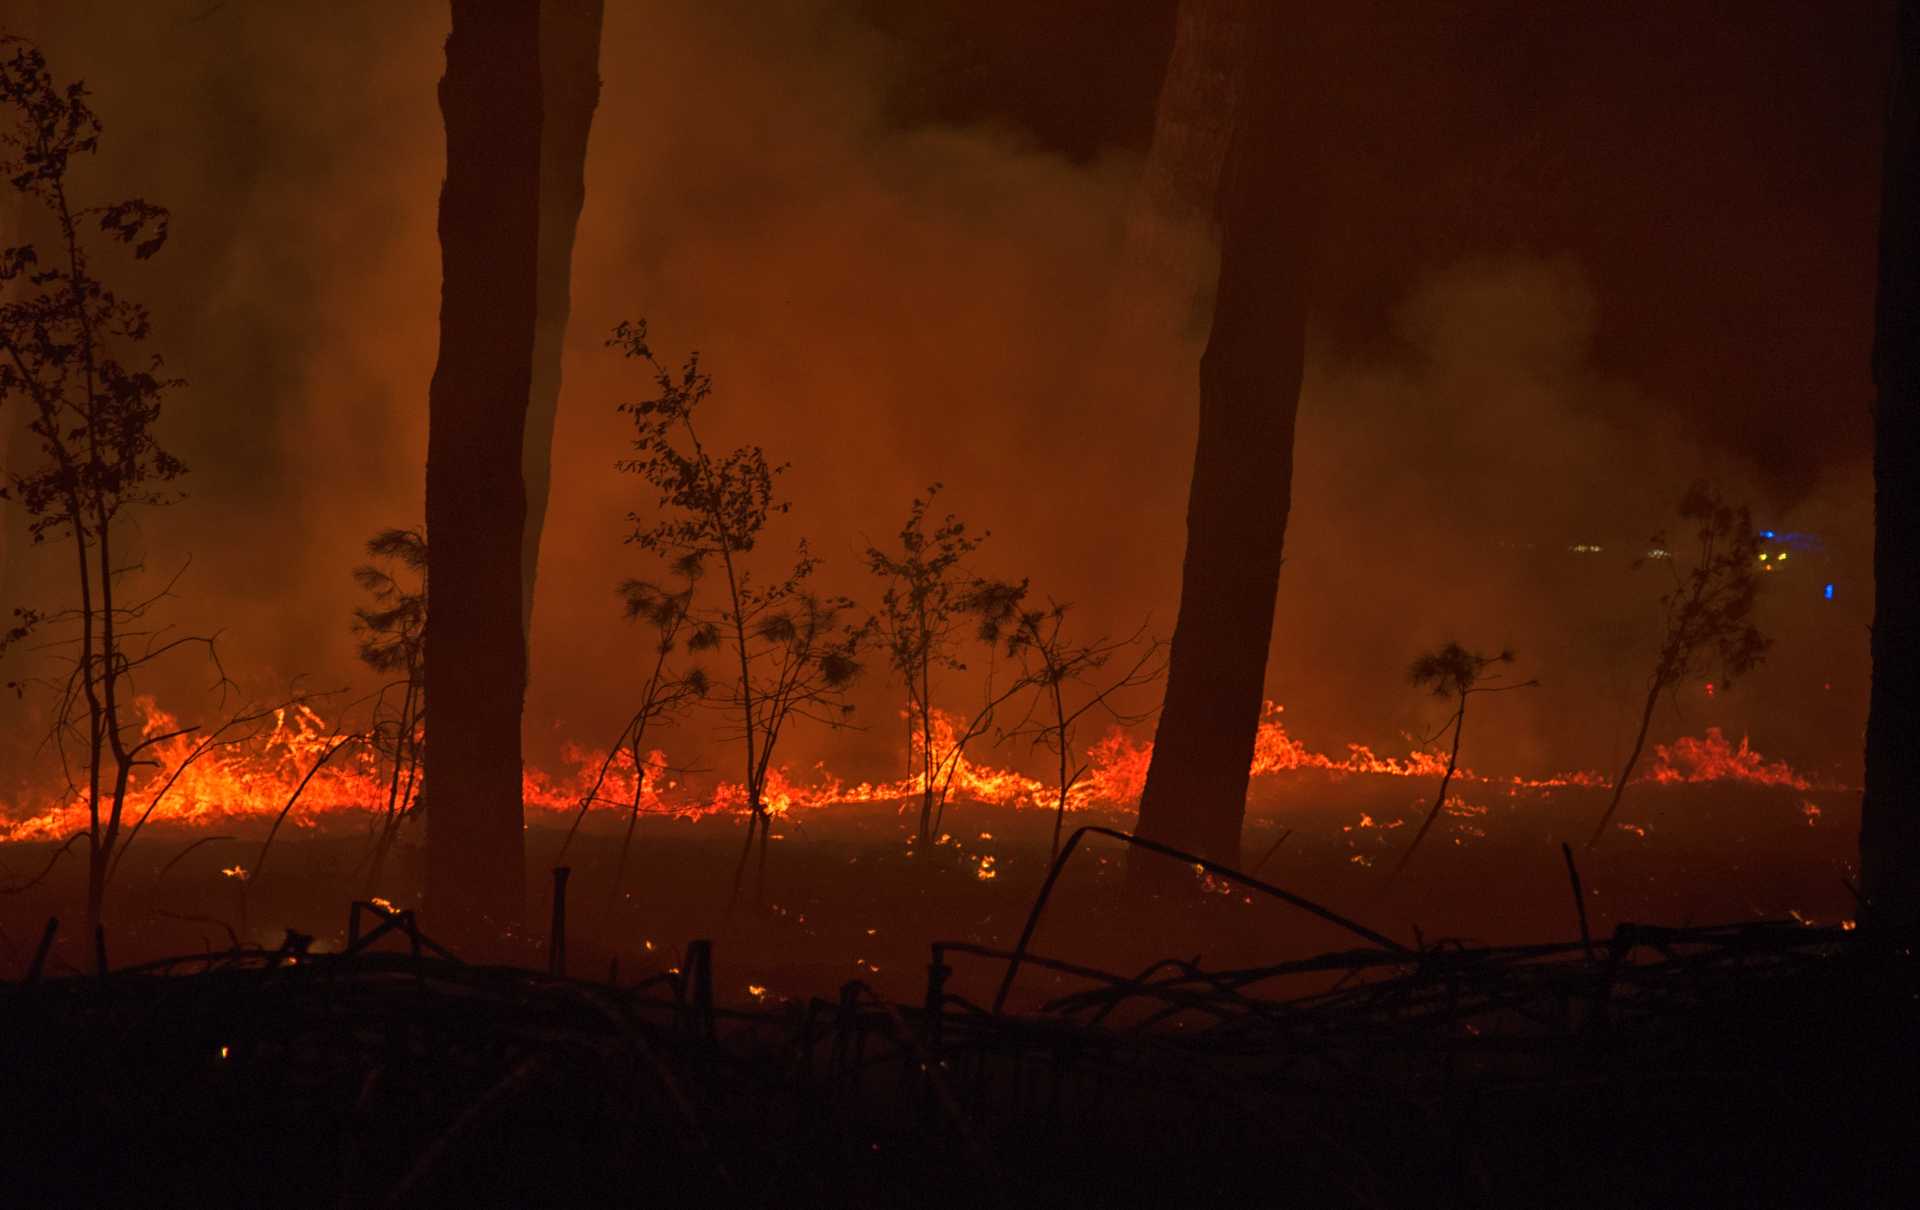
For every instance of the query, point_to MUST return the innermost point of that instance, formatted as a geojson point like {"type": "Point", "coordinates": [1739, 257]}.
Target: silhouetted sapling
{"type": "Point", "coordinates": [924, 610]}
{"type": "Point", "coordinates": [1708, 613]}
{"type": "Point", "coordinates": [1452, 672]}
{"type": "Point", "coordinates": [796, 651]}
{"type": "Point", "coordinates": [1058, 674]}
{"type": "Point", "coordinates": [391, 634]}
{"type": "Point", "coordinates": [70, 354]}
{"type": "Point", "coordinates": [666, 694]}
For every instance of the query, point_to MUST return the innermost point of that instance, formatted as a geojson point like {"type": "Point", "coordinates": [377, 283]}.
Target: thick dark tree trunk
{"type": "Point", "coordinates": [1890, 808]}
{"type": "Point", "coordinates": [476, 501]}
{"type": "Point", "coordinates": [1180, 184]}
{"type": "Point", "coordinates": [1196, 788]}
{"type": "Point", "coordinates": [570, 91]}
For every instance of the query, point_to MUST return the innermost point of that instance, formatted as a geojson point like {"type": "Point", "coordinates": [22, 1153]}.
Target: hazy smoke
{"type": "Point", "coordinates": [882, 306]}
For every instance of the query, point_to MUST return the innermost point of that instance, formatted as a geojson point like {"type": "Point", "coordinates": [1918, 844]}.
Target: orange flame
{"type": "Point", "coordinates": [1712, 758]}
{"type": "Point", "coordinates": [197, 785]}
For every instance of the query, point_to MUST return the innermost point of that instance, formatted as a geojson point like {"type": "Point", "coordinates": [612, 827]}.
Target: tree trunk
{"type": "Point", "coordinates": [1890, 806]}
{"type": "Point", "coordinates": [1440, 799]}
{"type": "Point", "coordinates": [1060, 801]}
{"type": "Point", "coordinates": [1176, 199]}
{"type": "Point", "coordinates": [570, 91]}
{"type": "Point", "coordinates": [1195, 797]}
{"type": "Point", "coordinates": [13, 515]}
{"type": "Point", "coordinates": [928, 765]}
{"type": "Point", "coordinates": [476, 501]}
{"type": "Point", "coordinates": [1633, 761]}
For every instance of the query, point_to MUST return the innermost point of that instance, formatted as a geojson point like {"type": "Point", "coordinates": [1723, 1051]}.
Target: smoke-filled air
{"type": "Point", "coordinates": [1330, 573]}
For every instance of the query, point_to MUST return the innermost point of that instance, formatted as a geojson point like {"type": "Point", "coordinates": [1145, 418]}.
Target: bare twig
{"type": "Point", "coordinates": [1212, 867]}
{"type": "Point", "coordinates": [1579, 899]}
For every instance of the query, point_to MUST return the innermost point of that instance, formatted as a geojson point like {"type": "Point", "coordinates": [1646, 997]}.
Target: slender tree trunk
{"type": "Point", "coordinates": [926, 742]}
{"type": "Point", "coordinates": [756, 760]}
{"type": "Point", "coordinates": [570, 91]}
{"type": "Point", "coordinates": [1890, 806]}
{"type": "Point", "coordinates": [399, 792]}
{"type": "Point", "coordinates": [760, 868]}
{"type": "Point", "coordinates": [1195, 797]}
{"type": "Point", "coordinates": [99, 656]}
{"type": "Point", "coordinates": [633, 823]}
{"type": "Point", "coordinates": [1060, 803]}
{"type": "Point", "coordinates": [96, 891]}
{"type": "Point", "coordinates": [1440, 799]}
{"type": "Point", "coordinates": [476, 501]}
{"type": "Point", "coordinates": [1633, 761]}
{"type": "Point", "coordinates": [913, 727]}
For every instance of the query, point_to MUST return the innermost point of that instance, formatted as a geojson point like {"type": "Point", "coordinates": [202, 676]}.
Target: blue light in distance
{"type": "Point", "coordinates": [1766, 533]}
{"type": "Point", "coordinates": [1828, 593]}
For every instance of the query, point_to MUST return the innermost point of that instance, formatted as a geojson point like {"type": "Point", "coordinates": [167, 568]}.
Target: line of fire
{"type": "Point", "coordinates": [863, 603]}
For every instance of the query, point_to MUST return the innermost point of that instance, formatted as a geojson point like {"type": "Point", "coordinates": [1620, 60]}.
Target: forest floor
{"type": "Point", "coordinates": [849, 894]}
{"type": "Point", "coordinates": [1758, 1064]}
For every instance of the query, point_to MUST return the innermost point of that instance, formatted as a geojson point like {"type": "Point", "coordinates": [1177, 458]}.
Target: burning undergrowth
{"type": "Point", "coordinates": [1713, 830]}
{"type": "Point", "coordinates": [292, 764]}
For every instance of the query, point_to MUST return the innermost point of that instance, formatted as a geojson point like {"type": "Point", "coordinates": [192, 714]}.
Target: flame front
{"type": "Point", "coordinates": [194, 784]}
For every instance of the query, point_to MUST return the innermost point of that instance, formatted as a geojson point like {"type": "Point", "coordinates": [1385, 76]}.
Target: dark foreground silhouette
{"type": "Point", "coordinates": [1761, 1063]}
